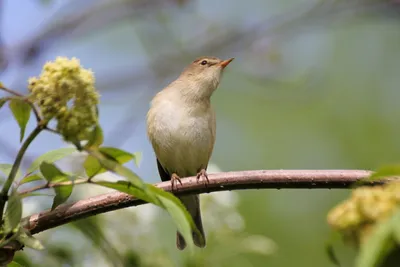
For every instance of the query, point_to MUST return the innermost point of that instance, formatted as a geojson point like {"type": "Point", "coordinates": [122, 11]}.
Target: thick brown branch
{"type": "Point", "coordinates": [277, 179]}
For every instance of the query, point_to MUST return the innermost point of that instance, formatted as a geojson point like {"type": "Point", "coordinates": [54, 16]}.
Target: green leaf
{"type": "Point", "coordinates": [62, 195]}
{"type": "Point", "coordinates": [396, 227]}
{"type": "Point", "coordinates": [34, 194]}
{"type": "Point", "coordinates": [332, 255]}
{"type": "Point", "coordinates": [92, 166]}
{"type": "Point", "coordinates": [112, 165]}
{"type": "Point", "coordinates": [30, 178]}
{"type": "Point", "coordinates": [181, 217]}
{"type": "Point", "coordinates": [111, 156]}
{"type": "Point", "coordinates": [126, 187]}
{"type": "Point", "coordinates": [132, 177]}
{"type": "Point", "coordinates": [137, 158]}
{"type": "Point", "coordinates": [51, 156]}
{"type": "Point", "coordinates": [54, 175]}
{"type": "Point", "coordinates": [29, 241]}
{"type": "Point", "coordinates": [146, 192]}
{"type": "Point", "coordinates": [14, 264]}
{"type": "Point", "coordinates": [333, 238]}
{"type": "Point", "coordinates": [379, 244]}
{"type": "Point", "coordinates": [163, 199]}
{"type": "Point", "coordinates": [5, 240]}
{"type": "Point", "coordinates": [22, 112]}
{"type": "Point", "coordinates": [96, 138]}
{"type": "Point", "coordinates": [3, 101]}
{"type": "Point", "coordinates": [13, 214]}
{"type": "Point", "coordinates": [6, 169]}
{"type": "Point", "coordinates": [385, 171]}
{"type": "Point", "coordinates": [117, 154]}
{"type": "Point", "coordinates": [178, 212]}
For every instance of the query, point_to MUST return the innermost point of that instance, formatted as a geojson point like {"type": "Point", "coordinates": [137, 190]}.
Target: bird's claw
{"type": "Point", "coordinates": [203, 174]}
{"type": "Point", "coordinates": [175, 179]}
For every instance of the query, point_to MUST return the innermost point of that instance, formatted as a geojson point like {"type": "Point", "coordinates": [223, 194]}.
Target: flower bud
{"type": "Point", "coordinates": [65, 91]}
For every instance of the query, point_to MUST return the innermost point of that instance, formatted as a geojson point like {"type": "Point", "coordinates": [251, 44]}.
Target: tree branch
{"type": "Point", "coordinates": [311, 179]}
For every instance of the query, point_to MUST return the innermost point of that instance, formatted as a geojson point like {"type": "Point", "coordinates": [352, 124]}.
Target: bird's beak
{"type": "Point", "coordinates": [225, 63]}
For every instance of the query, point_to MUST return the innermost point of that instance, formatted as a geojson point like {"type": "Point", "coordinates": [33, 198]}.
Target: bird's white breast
{"type": "Point", "coordinates": [181, 135]}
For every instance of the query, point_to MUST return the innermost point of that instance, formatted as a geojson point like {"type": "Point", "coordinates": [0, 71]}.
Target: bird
{"type": "Point", "coordinates": [181, 127]}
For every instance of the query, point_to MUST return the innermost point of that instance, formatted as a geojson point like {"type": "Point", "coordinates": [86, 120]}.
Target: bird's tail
{"type": "Point", "coordinates": [192, 204]}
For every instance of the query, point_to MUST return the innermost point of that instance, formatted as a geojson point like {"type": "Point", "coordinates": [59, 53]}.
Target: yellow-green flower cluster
{"type": "Point", "coordinates": [65, 91]}
{"type": "Point", "coordinates": [356, 217]}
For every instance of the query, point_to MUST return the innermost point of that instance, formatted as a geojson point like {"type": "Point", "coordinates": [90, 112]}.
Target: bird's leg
{"type": "Point", "coordinates": [202, 174]}
{"type": "Point", "coordinates": [174, 181]}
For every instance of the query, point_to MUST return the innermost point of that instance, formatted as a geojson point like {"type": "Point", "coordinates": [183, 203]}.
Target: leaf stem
{"type": "Point", "coordinates": [35, 110]}
{"type": "Point", "coordinates": [52, 130]}
{"type": "Point", "coordinates": [15, 167]}
{"type": "Point", "coordinates": [52, 185]}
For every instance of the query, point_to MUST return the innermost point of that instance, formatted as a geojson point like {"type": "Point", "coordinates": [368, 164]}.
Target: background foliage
{"type": "Point", "coordinates": [314, 86]}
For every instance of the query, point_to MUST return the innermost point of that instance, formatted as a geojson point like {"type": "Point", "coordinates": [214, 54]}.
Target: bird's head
{"type": "Point", "coordinates": [203, 75]}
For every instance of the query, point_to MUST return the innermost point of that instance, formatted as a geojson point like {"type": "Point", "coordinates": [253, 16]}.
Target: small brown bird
{"type": "Point", "coordinates": [181, 127]}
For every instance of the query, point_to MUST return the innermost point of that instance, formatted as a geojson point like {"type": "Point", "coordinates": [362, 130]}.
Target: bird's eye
{"type": "Point", "coordinates": [204, 62]}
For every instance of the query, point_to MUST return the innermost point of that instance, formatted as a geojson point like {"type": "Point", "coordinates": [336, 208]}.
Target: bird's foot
{"type": "Point", "coordinates": [202, 174]}
{"type": "Point", "coordinates": [175, 179]}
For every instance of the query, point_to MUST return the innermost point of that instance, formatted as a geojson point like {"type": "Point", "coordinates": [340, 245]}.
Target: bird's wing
{"type": "Point", "coordinates": [213, 129]}
{"type": "Point", "coordinates": [163, 173]}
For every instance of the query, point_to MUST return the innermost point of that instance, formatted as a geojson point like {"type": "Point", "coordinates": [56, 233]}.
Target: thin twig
{"type": "Point", "coordinates": [15, 167]}
{"type": "Point", "coordinates": [12, 92]}
{"type": "Point", "coordinates": [52, 185]}
{"type": "Point", "coordinates": [52, 130]}
{"type": "Point", "coordinates": [277, 179]}
{"type": "Point", "coordinates": [35, 110]}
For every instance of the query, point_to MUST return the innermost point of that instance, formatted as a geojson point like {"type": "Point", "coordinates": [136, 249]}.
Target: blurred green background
{"type": "Point", "coordinates": [315, 85]}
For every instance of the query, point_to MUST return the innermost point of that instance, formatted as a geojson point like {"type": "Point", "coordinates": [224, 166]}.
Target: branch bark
{"type": "Point", "coordinates": [277, 179]}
